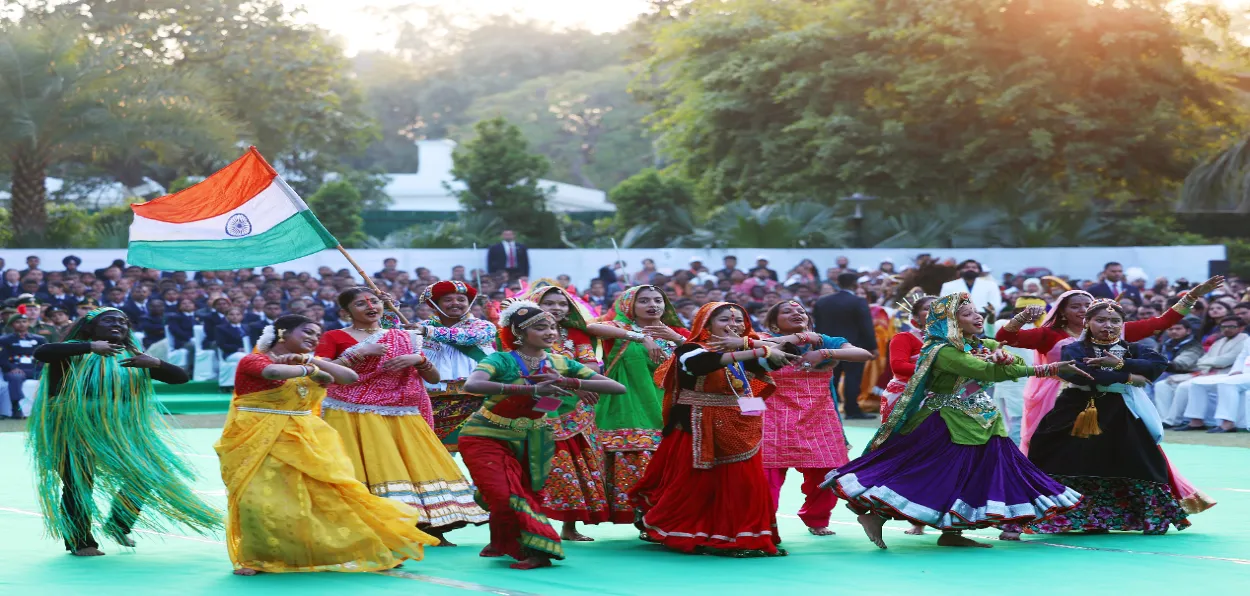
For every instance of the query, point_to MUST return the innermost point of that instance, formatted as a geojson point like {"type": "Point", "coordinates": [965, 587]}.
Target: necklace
{"type": "Point", "coordinates": [370, 331]}
{"type": "Point", "coordinates": [531, 362]}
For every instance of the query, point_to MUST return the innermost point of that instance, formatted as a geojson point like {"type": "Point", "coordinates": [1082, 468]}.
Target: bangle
{"type": "Point", "coordinates": [1118, 365]}
{"type": "Point", "coordinates": [767, 352]}
{"type": "Point", "coordinates": [634, 336]}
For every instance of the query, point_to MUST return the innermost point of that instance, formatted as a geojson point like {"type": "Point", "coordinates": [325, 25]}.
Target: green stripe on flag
{"type": "Point", "coordinates": [298, 236]}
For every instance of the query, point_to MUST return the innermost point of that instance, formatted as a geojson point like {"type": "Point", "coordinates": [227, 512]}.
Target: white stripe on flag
{"type": "Point", "coordinates": [268, 208]}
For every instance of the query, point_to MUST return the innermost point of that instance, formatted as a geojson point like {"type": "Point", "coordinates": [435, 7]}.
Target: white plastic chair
{"type": "Point", "coordinates": [30, 388]}
{"type": "Point", "coordinates": [180, 357]}
{"type": "Point", "coordinates": [205, 368]}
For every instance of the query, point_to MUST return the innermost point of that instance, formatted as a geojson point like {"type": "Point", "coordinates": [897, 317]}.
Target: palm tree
{"type": "Point", "coordinates": [62, 97]}
{"type": "Point", "coordinates": [1221, 183]}
{"type": "Point", "coordinates": [785, 225]}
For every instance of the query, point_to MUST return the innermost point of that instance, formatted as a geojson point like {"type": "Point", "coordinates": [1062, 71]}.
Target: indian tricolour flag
{"type": "Point", "coordinates": [242, 216]}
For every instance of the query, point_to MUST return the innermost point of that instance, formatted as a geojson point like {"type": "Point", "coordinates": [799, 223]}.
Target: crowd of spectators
{"type": "Point", "coordinates": [233, 307]}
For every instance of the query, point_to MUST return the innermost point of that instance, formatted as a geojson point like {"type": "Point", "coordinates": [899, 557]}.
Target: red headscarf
{"type": "Point", "coordinates": [666, 374]}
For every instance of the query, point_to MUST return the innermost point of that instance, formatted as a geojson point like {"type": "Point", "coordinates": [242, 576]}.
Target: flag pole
{"type": "Point", "coordinates": [372, 286]}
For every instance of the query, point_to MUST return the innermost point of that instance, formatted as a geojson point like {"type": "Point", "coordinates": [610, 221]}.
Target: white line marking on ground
{"type": "Point", "coordinates": [396, 573]}
{"type": "Point", "coordinates": [983, 534]}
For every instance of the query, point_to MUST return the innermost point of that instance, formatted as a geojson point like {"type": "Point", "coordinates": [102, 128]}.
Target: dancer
{"type": "Point", "coordinates": [801, 425]}
{"type": "Point", "coordinates": [575, 491]}
{"type": "Point", "coordinates": [705, 490]}
{"type": "Point", "coordinates": [97, 429]}
{"type": "Point", "coordinates": [641, 330]}
{"type": "Point", "coordinates": [905, 350]}
{"type": "Point", "coordinates": [294, 502]}
{"type": "Point", "coordinates": [1100, 438]}
{"type": "Point", "coordinates": [943, 458]}
{"type": "Point", "coordinates": [1062, 325]}
{"type": "Point", "coordinates": [508, 446]}
{"type": "Point", "coordinates": [455, 341]}
{"type": "Point", "coordinates": [386, 421]}
{"type": "Point", "coordinates": [904, 354]}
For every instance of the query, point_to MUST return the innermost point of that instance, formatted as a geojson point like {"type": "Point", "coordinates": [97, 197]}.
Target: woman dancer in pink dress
{"type": "Point", "coordinates": [801, 425]}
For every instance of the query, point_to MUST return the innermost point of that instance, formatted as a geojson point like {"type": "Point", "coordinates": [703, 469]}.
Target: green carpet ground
{"type": "Point", "coordinates": [1212, 556]}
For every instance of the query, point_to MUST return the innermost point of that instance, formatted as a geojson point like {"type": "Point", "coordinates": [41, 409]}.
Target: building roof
{"type": "Point", "coordinates": [428, 189]}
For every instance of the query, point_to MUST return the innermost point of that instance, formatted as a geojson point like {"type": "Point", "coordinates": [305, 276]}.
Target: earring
{"type": "Point", "coordinates": [281, 332]}
{"type": "Point", "coordinates": [520, 341]}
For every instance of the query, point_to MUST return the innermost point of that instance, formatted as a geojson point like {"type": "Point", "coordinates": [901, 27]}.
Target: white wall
{"type": "Point", "coordinates": [582, 264]}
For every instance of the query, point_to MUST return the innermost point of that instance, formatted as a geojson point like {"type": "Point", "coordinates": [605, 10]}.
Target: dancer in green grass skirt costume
{"type": "Point", "coordinates": [97, 433]}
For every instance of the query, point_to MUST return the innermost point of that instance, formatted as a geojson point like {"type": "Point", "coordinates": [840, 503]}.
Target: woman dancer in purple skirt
{"type": "Point", "coordinates": [942, 458]}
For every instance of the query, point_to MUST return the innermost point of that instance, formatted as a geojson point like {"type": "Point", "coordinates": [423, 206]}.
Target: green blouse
{"type": "Point", "coordinates": [971, 419]}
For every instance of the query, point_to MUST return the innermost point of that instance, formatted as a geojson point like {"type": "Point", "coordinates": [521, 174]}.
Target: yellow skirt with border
{"type": "Point", "coordinates": [399, 457]}
{"type": "Point", "coordinates": [294, 504]}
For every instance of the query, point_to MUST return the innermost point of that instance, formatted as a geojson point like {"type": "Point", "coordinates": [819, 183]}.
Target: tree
{"type": "Point", "coordinates": [337, 205]}
{"type": "Point", "coordinates": [786, 100]}
{"type": "Point", "coordinates": [661, 202]}
{"type": "Point", "coordinates": [286, 84]}
{"type": "Point", "coordinates": [791, 225]}
{"type": "Point", "coordinates": [586, 123]}
{"type": "Point", "coordinates": [502, 178]}
{"type": "Point", "coordinates": [64, 97]}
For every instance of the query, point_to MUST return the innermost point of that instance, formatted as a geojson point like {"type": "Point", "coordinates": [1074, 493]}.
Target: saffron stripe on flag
{"type": "Point", "coordinates": [225, 191]}
{"type": "Point", "coordinates": [298, 236]}
{"type": "Point", "coordinates": [270, 207]}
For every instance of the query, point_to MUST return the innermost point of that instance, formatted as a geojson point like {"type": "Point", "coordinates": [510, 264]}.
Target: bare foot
{"type": "Point", "coordinates": [915, 530]}
{"type": "Point", "coordinates": [872, 527]}
{"type": "Point", "coordinates": [821, 531]}
{"type": "Point", "coordinates": [534, 562]}
{"type": "Point", "coordinates": [1010, 536]}
{"type": "Point", "coordinates": [89, 551]}
{"type": "Point", "coordinates": [569, 532]}
{"type": "Point", "coordinates": [953, 539]}
{"type": "Point", "coordinates": [245, 571]}
{"type": "Point", "coordinates": [490, 553]}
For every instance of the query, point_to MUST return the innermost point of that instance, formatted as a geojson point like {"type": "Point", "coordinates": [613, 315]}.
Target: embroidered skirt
{"type": "Point", "coordinates": [517, 524]}
{"type": "Point", "coordinates": [575, 490]}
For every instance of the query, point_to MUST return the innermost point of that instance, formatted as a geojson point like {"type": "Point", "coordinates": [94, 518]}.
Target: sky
{"type": "Point", "coordinates": [366, 27]}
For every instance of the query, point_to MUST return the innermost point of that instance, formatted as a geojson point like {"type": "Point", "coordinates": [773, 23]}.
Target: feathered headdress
{"type": "Point", "coordinates": [908, 304]}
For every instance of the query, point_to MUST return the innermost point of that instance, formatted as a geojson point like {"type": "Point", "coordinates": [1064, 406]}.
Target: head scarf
{"type": "Point", "coordinates": [577, 317]}
{"type": "Point", "coordinates": [72, 335]}
{"type": "Point", "coordinates": [941, 330]}
{"type": "Point", "coordinates": [1052, 317]}
{"type": "Point", "coordinates": [623, 309]}
{"type": "Point", "coordinates": [666, 374]}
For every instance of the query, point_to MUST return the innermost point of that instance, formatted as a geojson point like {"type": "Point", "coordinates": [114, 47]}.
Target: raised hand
{"type": "Point", "coordinates": [727, 344]}
{"type": "Point", "coordinates": [105, 348]}
{"type": "Point", "coordinates": [141, 361]}
{"type": "Point", "coordinates": [654, 350]}
{"type": "Point", "coordinates": [1069, 367]}
{"type": "Point", "coordinates": [400, 362]}
{"type": "Point", "coordinates": [663, 332]}
{"type": "Point", "coordinates": [1106, 361]}
{"type": "Point", "coordinates": [1208, 286]}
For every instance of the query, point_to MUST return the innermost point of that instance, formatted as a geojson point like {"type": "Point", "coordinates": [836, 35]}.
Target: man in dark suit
{"type": "Point", "coordinates": [56, 297]}
{"type": "Point", "coordinates": [508, 255]}
{"type": "Point", "coordinates": [273, 310]}
{"type": "Point", "coordinates": [1113, 284]}
{"type": "Point", "coordinates": [843, 314]}
{"type": "Point", "coordinates": [230, 332]}
{"type": "Point", "coordinates": [12, 286]}
{"type": "Point", "coordinates": [136, 307]}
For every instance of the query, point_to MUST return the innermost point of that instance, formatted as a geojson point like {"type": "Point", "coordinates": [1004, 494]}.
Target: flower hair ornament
{"type": "Point", "coordinates": [267, 337]}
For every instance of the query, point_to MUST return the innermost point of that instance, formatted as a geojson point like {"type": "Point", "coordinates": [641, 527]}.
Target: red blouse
{"type": "Point", "coordinates": [248, 376]}
{"type": "Point", "coordinates": [334, 343]}
{"type": "Point", "coordinates": [903, 350]}
{"type": "Point", "coordinates": [1043, 339]}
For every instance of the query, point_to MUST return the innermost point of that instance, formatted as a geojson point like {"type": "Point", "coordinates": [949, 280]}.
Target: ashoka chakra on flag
{"type": "Point", "coordinates": [244, 215]}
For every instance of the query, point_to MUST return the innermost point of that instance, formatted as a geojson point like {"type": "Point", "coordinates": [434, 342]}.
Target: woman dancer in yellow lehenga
{"type": "Point", "coordinates": [294, 502]}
